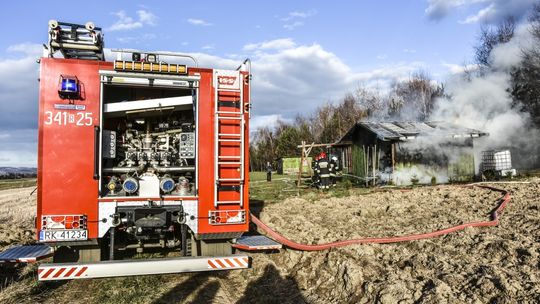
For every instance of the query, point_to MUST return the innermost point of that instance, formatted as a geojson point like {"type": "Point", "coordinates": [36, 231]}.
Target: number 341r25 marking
{"type": "Point", "coordinates": [63, 118]}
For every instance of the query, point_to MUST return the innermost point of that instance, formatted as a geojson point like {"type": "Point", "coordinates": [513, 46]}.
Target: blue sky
{"type": "Point", "coordinates": [305, 53]}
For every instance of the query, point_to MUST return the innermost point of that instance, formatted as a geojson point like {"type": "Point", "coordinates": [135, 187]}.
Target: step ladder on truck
{"type": "Point", "coordinates": [123, 154]}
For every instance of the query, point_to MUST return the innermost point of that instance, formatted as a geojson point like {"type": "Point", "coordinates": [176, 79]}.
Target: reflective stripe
{"type": "Point", "coordinates": [225, 263]}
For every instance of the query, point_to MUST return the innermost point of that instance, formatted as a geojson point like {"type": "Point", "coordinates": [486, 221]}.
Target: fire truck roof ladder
{"type": "Point", "coordinates": [75, 41]}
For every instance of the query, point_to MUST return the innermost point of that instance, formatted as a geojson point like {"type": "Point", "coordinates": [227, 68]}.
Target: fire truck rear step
{"type": "Point", "coordinates": [256, 243]}
{"type": "Point", "coordinates": [71, 271]}
{"type": "Point", "coordinates": [25, 254]}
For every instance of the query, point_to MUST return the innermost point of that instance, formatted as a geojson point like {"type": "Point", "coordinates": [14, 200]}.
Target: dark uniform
{"type": "Point", "coordinates": [334, 167]}
{"type": "Point", "coordinates": [268, 172]}
{"type": "Point", "coordinates": [323, 170]}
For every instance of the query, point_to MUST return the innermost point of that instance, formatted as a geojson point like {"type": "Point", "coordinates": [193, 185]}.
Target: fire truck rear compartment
{"type": "Point", "coordinates": [148, 151]}
{"type": "Point", "coordinates": [148, 142]}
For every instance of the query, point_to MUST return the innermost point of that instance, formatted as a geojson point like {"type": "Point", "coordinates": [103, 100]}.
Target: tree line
{"type": "Point", "coordinates": [411, 99]}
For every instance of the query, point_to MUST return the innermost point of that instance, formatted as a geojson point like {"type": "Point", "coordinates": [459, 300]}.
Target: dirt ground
{"type": "Point", "coordinates": [479, 265]}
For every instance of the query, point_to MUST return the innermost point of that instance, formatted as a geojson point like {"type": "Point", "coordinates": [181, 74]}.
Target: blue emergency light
{"type": "Point", "coordinates": [68, 87]}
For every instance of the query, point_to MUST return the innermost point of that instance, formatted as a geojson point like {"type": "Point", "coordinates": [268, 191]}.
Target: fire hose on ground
{"type": "Point", "coordinates": [494, 220]}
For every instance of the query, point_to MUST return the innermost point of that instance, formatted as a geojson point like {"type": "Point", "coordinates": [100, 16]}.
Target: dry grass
{"type": "Point", "coordinates": [484, 265]}
{"type": "Point", "coordinates": [17, 212]}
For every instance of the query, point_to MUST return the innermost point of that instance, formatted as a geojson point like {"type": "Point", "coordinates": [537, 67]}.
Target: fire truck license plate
{"type": "Point", "coordinates": [63, 235]}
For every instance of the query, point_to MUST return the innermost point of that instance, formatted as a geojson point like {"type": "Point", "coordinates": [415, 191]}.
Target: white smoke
{"type": "Point", "coordinates": [480, 101]}
{"type": "Point", "coordinates": [483, 102]}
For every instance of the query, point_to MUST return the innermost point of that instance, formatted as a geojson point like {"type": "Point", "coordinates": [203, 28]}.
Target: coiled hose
{"type": "Point", "coordinates": [503, 201]}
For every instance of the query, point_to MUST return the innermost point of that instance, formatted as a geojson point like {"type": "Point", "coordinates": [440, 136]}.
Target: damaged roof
{"type": "Point", "coordinates": [392, 131]}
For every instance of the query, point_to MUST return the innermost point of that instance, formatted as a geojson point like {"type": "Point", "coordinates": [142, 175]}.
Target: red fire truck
{"type": "Point", "coordinates": [144, 153]}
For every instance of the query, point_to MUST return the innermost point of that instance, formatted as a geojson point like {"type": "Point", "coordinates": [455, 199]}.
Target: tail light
{"type": "Point", "coordinates": [75, 222]}
{"type": "Point", "coordinates": [227, 217]}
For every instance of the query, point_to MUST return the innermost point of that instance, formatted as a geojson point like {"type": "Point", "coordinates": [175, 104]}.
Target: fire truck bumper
{"type": "Point", "coordinates": [105, 269]}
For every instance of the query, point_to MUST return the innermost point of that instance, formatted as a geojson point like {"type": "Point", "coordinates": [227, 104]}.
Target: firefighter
{"type": "Point", "coordinates": [268, 172]}
{"type": "Point", "coordinates": [323, 170]}
{"type": "Point", "coordinates": [334, 167]}
{"type": "Point", "coordinates": [314, 169]}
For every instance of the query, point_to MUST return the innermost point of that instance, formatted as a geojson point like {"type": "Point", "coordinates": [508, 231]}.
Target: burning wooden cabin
{"type": "Point", "coordinates": [404, 153]}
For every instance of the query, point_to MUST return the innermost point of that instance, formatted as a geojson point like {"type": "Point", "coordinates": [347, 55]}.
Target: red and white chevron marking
{"type": "Point", "coordinates": [228, 263]}
{"type": "Point", "coordinates": [61, 273]}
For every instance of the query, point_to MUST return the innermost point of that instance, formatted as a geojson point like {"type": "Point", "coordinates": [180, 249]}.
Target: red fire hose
{"type": "Point", "coordinates": [503, 201]}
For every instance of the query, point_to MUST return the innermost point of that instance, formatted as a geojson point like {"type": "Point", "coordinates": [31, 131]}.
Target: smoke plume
{"type": "Point", "coordinates": [483, 102]}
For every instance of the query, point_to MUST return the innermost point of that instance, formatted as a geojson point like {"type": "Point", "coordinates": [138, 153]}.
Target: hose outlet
{"type": "Point", "coordinates": [130, 185]}
{"type": "Point", "coordinates": [167, 184]}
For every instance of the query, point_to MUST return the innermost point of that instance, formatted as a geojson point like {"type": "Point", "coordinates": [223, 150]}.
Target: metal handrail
{"type": "Point", "coordinates": [248, 62]}
{"type": "Point", "coordinates": [173, 54]}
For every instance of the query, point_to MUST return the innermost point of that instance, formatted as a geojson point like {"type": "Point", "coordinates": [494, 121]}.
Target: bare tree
{"type": "Point", "coordinates": [491, 37]}
{"type": "Point", "coordinates": [414, 99]}
{"type": "Point", "coordinates": [526, 77]}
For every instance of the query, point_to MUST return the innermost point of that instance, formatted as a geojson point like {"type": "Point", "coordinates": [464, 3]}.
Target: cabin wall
{"type": "Point", "coordinates": [373, 161]}
{"type": "Point", "coordinates": [450, 162]}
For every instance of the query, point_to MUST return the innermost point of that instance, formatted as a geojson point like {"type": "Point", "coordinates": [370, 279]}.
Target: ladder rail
{"type": "Point", "coordinates": [242, 141]}
{"type": "Point", "coordinates": [225, 118]}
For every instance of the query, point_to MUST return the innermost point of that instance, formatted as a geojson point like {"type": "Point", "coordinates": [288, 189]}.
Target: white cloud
{"type": "Point", "coordinates": [480, 15]}
{"type": "Point", "coordinates": [299, 14]}
{"type": "Point", "coordinates": [200, 22]}
{"type": "Point", "coordinates": [208, 47]}
{"type": "Point", "coordinates": [292, 19]}
{"type": "Point", "coordinates": [438, 9]}
{"type": "Point", "coordinates": [487, 11]}
{"type": "Point", "coordinates": [137, 39]}
{"type": "Point", "coordinates": [27, 48]}
{"type": "Point", "coordinates": [293, 25]}
{"type": "Point", "coordinates": [18, 92]}
{"type": "Point", "coordinates": [299, 78]}
{"type": "Point", "coordinates": [126, 23]}
{"type": "Point", "coordinates": [382, 56]}
{"type": "Point", "coordinates": [19, 148]}
{"type": "Point", "coordinates": [287, 79]}
{"type": "Point", "coordinates": [410, 51]}
{"type": "Point", "coordinates": [146, 17]}
{"type": "Point", "coordinates": [263, 121]}
{"type": "Point", "coordinates": [277, 44]}
{"type": "Point", "coordinates": [19, 105]}
{"type": "Point", "coordinates": [456, 69]}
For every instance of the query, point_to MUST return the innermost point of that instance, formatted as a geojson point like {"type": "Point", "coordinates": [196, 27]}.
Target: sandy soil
{"type": "Point", "coordinates": [479, 265]}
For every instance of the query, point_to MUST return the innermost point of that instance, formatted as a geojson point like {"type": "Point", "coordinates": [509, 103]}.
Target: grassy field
{"type": "Point", "coordinates": [284, 186]}
{"type": "Point", "coordinates": [17, 183]}
{"type": "Point", "coordinates": [503, 266]}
